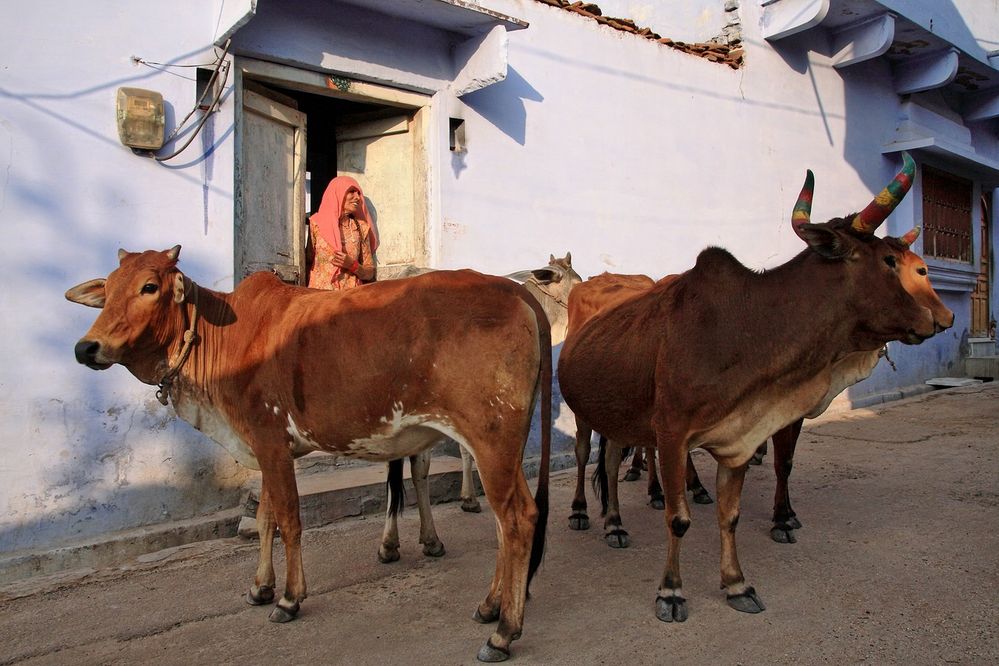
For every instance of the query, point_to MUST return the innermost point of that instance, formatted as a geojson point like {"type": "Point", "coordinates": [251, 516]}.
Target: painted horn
{"type": "Point", "coordinates": [803, 207]}
{"type": "Point", "coordinates": [869, 219]}
{"type": "Point", "coordinates": [910, 237]}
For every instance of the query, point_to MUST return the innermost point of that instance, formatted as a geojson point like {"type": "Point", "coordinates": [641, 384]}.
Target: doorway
{"type": "Point", "coordinates": [298, 130]}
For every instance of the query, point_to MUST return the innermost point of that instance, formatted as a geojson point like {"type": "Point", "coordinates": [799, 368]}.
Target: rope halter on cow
{"type": "Point", "coordinates": [543, 288]}
{"type": "Point", "coordinates": [190, 339]}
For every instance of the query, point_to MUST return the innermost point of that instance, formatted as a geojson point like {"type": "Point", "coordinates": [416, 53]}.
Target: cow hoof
{"type": "Point", "coordinates": [388, 555]}
{"type": "Point", "coordinates": [793, 523]}
{"type": "Point", "coordinates": [435, 549]}
{"type": "Point", "coordinates": [579, 521]}
{"type": "Point", "coordinates": [757, 458]}
{"type": "Point", "coordinates": [489, 615]}
{"type": "Point", "coordinates": [617, 539]}
{"type": "Point", "coordinates": [489, 653]}
{"type": "Point", "coordinates": [632, 475]}
{"type": "Point", "coordinates": [782, 534]}
{"type": "Point", "coordinates": [658, 503]}
{"type": "Point", "coordinates": [701, 496]}
{"type": "Point", "coordinates": [281, 614]}
{"type": "Point", "coordinates": [747, 602]}
{"type": "Point", "coordinates": [671, 609]}
{"type": "Point", "coordinates": [471, 506]}
{"type": "Point", "coordinates": [259, 596]}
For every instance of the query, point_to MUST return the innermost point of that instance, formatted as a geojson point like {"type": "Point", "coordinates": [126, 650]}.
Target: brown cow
{"type": "Point", "coordinates": [600, 293]}
{"type": "Point", "coordinates": [258, 370]}
{"type": "Point", "coordinates": [846, 372]}
{"type": "Point", "coordinates": [723, 356]}
{"type": "Point", "coordinates": [550, 286]}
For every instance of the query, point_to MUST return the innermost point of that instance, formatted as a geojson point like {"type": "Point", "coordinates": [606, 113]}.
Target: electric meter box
{"type": "Point", "coordinates": [141, 118]}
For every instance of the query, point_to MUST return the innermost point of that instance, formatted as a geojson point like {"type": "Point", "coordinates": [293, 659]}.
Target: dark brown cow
{"type": "Point", "coordinates": [722, 357]}
{"type": "Point", "coordinates": [261, 371]}
{"type": "Point", "coordinates": [846, 372]}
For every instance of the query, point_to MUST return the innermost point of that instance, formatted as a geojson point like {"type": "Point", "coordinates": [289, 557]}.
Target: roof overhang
{"type": "Point", "coordinates": [425, 46]}
{"type": "Point", "coordinates": [923, 55]}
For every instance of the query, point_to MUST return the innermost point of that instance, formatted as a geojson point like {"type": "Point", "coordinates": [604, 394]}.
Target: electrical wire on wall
{"type": "Point", "coordinates": [221, 67]}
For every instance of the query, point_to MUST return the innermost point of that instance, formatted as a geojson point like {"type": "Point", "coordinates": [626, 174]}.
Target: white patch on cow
{"type": "Point", "coordinates": [301, 441]}
{"type": "Point", "coordinates": [404, 435]}
{"type": "Point", "coordinates": [846, 372]}
{"type": "Point", "coordinates": [213, 424]}
{"type": "Point", "coordinates": [276, 410]}
{"type": "Point", "coordinates": [737, 436]}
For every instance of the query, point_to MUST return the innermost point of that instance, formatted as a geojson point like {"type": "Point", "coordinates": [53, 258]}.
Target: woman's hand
{"type": "Point", "coordinates": [344, 261]}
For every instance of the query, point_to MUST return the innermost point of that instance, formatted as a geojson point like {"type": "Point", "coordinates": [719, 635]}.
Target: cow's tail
{"type": "Point", "coordinates": [544, 469]}
{"type": "Point", "coordinates": [394, 488]}
{"type": "Point", "coordinates": [599, 480]}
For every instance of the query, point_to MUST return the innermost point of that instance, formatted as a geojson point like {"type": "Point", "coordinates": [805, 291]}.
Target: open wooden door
{"type": "Point", "coordinates": [980, 315]}
{"type": "Point", "coordinates": [270, 202]}
{"type": "Point", "coordinates": [379, 154]}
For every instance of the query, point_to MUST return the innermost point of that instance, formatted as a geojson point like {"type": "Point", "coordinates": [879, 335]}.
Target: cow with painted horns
{"type": "Point", "coordinates": [259, 370]}
{"type": "Point", "coordinates": [723, 356]}
{"type": "Point", "coordinates": [845, 372]}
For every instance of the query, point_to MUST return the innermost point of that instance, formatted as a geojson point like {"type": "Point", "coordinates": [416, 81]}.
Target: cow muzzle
{"type": "Point", "coordinates": [88, 353]}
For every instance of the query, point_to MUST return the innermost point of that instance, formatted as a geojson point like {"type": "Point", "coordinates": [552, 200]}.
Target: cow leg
{"type": "Point", "coordinates": [489, 610]}
{"type": "Point", "coordinates": [761, 451]}
{"type": "Point", "coordinates": [578, 519]}
{"type": "Point", "coordinates": [469, 500]}
{"type": "Point", "coordinates": [785, 520]}
{"type": "Point", "coordinates": [634, 472]}
{"type": "Point", "coordinates": [262, 590]}
{"type": "Point", "coordinates": [279, 479]}
{"type": "Point", "coordinates": [614, 534]}
{"type": "Point", "coordinates": [516, 516]}
{"type": "Point", "coordinates": [656, 498]}
{"type": "Point", "coordinates": [388, 551]}
{"type": "Point", "coordinates": [694, 485]}
{"type": "Point", "coordinates": [670, 603]}
{"type": "Point", "coordinates": [420, 466]}
{"type": "Point", "coordinates": [741, 596]}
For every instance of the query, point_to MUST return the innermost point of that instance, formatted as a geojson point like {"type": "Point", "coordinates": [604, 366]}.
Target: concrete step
{"type": "Point", "coordinates": [117, 547]}
{"type": "Point", "coordinates": [330, 490]}
{"type": "Point", "coordinates": [335, 493]}
{"type": "Point", "coordinates": [982, 348]}
{"type": "Point", "coordinates": [986, 367]}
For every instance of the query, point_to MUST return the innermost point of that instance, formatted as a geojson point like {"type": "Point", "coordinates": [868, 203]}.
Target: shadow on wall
{"type": "Point", "coordinates": [101, 462]}
{"type": "Point", "coordinates": [503, 104]}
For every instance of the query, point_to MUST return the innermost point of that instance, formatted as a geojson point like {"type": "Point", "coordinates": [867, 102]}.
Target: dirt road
{"type": "Point", "coordinates": [896, 563]}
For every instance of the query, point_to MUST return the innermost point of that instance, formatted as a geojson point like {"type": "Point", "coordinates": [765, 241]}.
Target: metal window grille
{"type": "Point", "coordinates": [946, 215]}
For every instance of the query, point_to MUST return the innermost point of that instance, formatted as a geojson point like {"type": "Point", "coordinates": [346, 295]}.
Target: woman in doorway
{"type": "Point", "coordinates": [342, 241]}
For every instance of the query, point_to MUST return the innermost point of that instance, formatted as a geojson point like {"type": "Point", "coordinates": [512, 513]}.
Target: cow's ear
{"type": "Point", "coordinates": [826, 241]}
{"type": "Point", "coordinates": [181, 288]}
{"type": "Point", "coordinates": [90, 293]}
{"type": "Point", "coordinates": [122, 253]}
{"type": "Point", "coordinates": [545, 275]}
{"type": "Point", "coordinates": [173, 253]}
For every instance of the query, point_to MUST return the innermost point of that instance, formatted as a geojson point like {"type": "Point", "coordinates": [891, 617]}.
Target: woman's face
{"type": "Point", "coordinates": [352, 201]}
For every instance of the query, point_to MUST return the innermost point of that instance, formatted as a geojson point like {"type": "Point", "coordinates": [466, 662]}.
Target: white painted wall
{"type": "Point", "coordinates": [630, 154]}
{"type": "Point", "coordinates": [83, 453]}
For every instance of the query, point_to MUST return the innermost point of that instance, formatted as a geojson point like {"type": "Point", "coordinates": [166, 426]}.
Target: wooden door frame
{"type": "Point", "coordinates": [318, 83]}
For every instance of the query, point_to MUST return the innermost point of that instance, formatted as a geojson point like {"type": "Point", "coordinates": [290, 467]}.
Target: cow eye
{"type": "Point", "coordinates": [890, 260]}
{"type": "Point", "coordinates": [921, 270]}
{"type": "Point", "coordinates": [149, 288]}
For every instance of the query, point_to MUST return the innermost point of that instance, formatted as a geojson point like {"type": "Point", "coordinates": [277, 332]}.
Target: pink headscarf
{"type": "Point", "coordinates": [327, 218]}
